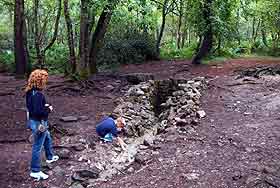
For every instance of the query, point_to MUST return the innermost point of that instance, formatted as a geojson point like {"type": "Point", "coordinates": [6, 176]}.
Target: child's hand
{"type": "Point", "coordinates": [124, 146]}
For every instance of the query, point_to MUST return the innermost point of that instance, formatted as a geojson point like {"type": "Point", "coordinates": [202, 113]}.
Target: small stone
{"type": "Point", "coordinates": [247, 113]}
{"type": "Point", "coordinates": [141, 159]}
{"type": "Point", "coordinates": [76, 185]}
{"type": "Point", "coordinates": [142, 147]}
{"type": "Point", "coordinates": [179, 120]}
{"type": "Point", "coordinates": [201, 113]}
{"type": "Point", "coordinates": [148, 140]}
{"type": "Point", "coordinates": [69, 119]}
{"type": "Point", "coordinates": [237, 175]}
{"type": "Point", "coordinates": [83, 118]}
{"type": "Point", "coordinates": [58, 171]}
{"type": "Point", "coordinates": [109, 88]}
{"type": "Point", "coordinates": [130, 170]}
{"type": "Point", "coordinates": [191, 176]}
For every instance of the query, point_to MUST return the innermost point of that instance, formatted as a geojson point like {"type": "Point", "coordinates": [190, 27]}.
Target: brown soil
{"type": "Point", "coordinates": [236, 145]}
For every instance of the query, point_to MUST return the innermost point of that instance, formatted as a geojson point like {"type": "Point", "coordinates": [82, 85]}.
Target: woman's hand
{"type": "Point", "coordinates": [49, 107]}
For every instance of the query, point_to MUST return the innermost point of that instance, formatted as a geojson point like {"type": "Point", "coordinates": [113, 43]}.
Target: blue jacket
{"type": "Point", "coordinates": [106, 126]}
{"type": "Point", "coordinates": [35, 103]}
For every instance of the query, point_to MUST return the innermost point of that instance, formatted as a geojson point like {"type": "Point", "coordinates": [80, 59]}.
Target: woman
{"type": "Point", "coordinates": [38, 111]}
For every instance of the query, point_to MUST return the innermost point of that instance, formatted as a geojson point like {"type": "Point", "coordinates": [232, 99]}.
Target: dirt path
{"type": "Point", "coordinates": [236, 145]}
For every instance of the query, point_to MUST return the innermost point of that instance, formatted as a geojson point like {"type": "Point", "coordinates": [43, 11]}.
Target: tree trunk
{"type": "Point", "coordinates": [84, 40]}
{"type": "Point", "coordinates": [70, 38]}
{"type": "Point", "coordinates": [264, 37]}
{"type": "Point", "coordinates": [164, 14]}
{"type": "Point", "coordinates": [179, 33]}
{"type": "Point", "coordinates": [20, 42]}
{"type": "Point", "coordinates": [97, 38]}
{"type": "Point", "coordinates": [257, 31]}
{"type": "Point", "coordinates": [189, 36]}
{"type": "Point", "coordinates": [207, 41]}
{"type": "Point", "coordinates": [185, 34]}
{"type": "Point", "coordinates": [40, 59]}
{"type": "Point", "coordinates": [253, 29]}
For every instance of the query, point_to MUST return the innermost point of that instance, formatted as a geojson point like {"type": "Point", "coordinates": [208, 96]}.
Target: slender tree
{"type": "Point", "coordinates": [70, 37]}
{"type": "Point", "coordinates": [167, 7]}
{"type": "Point", "coordinates": [20, 42]}
{"type": "Point", "coordinates": [206, 43]}
{"type": "Point", "coordinates": [39, 33]}
{"type": "Point", "coordinates": [99, 34]}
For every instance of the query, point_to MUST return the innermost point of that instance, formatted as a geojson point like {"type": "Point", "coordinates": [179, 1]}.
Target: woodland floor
{"type": "Point", "coordinates": [236, 145]}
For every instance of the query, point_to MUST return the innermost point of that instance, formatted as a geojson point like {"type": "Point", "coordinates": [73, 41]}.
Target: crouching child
{"type": "Point", "coordinates": [109, 128]}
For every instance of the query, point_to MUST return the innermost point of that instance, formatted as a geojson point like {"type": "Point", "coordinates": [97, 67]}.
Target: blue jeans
{"type": "Point", "coordinates": [40, 139]}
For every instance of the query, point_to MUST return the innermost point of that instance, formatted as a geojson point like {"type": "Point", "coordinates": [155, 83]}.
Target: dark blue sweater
{"type": "Point", "coordinates": [35, 103]}
{"type": "Point", "coordinates": [106, 126]}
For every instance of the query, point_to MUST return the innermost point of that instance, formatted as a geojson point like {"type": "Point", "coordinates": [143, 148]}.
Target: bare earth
{"type": "Point", "coordinates": [236, 145]}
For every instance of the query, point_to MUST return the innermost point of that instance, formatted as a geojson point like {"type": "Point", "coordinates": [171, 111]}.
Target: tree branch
{"type": "Point", "coordinates": [168, 11]}
{"type": "Point", "coordinates": [56, 27]}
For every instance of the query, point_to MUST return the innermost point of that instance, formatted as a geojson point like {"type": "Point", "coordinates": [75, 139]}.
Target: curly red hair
{"type": "Point", "coordinates": [37, 79]}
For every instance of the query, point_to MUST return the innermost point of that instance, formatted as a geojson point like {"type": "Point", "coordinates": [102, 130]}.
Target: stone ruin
{"type": "Point", "coordinates": [149, 109]}
{"type": "Point", "coordinates": [158, 104]}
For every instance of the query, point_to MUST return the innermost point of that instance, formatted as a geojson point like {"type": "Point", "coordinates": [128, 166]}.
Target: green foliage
{"type": "Point", "coordinates": [238, 28]}
{"type": "Point", "coordinates": [170, 51]}
{"type": "Point", "coordinates": [7, 61]}
{"type": "Point", "coordinates": [57, 59]}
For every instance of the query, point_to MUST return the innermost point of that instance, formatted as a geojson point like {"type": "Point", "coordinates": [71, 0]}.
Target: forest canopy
{"type": "Point", "coordinates": [80, 37]}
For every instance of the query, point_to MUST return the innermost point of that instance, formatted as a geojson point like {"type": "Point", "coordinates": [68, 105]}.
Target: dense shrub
{"type": "Point", "coordinates": [129, 49]}
{"type": "Point", "coordinates": [57, 58]}
{"type": "Point", "coordinates": [7, 61]}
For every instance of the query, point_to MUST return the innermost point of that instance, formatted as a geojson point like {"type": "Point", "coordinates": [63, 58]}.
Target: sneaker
{"type": "Point", "coordinates": [54, 158]}
{"type": "Point", "coordinates": [108, 137]}
{"type": "Point", "coordinates": [39, 175]}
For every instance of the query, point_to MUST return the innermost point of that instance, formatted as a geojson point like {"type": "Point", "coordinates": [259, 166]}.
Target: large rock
{"type": "Point", "coordinates": [141, 158]}
{"type": "Point", "coordinates": [83, 175]}
{"type": "Point", "coordinates": [64, 153]}
{"type": "Point", "coordinates": [79, 147]}
{"type": "Point", "coordinates": [135, 91]}
{"type": "Point", "coordinates": [69, 119]}
{"type": "Point", "coordinates": [136, 78]}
